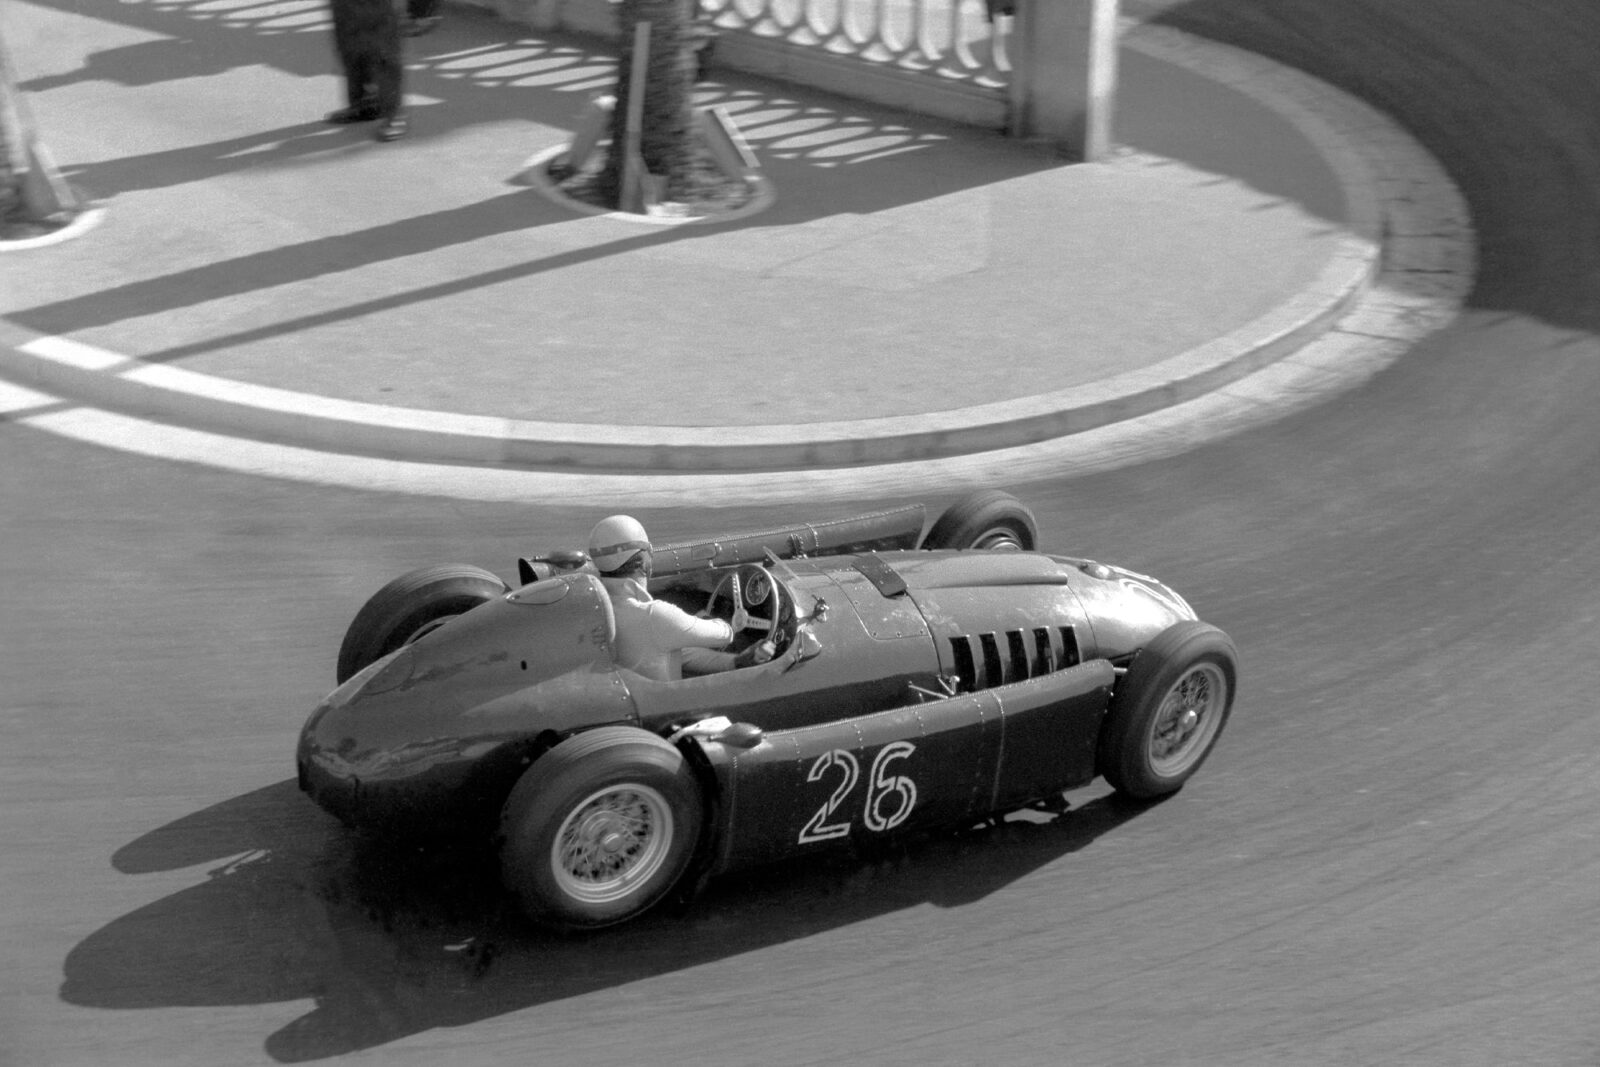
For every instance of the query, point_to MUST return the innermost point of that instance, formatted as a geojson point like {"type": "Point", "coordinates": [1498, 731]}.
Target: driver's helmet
{"type": "Point", "coordinates": [616, 540]}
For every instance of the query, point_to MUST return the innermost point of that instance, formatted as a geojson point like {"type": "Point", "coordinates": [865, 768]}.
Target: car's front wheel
{"type": "Point", "coordinates": [1168, 710]}
{"type": "Point", "coordinates": [988, 519]}
{"type": "Point", "coordinates": [600, 828]}
{"type": "Point", "coordinates": [409, 607]}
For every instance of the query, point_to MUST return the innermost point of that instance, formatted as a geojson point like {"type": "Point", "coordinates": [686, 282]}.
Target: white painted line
{"type": "Point", "coordinates": [436, 435]}
{"type": "Point", "coordinates": [15, 398]}
{"type": "Point", "coordinates": [271, 398]}
{"type": "Point", "coordinates": [73, 353]}
{"type": "Point", "coordinates": [1333, 364]}
{"type": "Point", "coordinates": [1414, 202]}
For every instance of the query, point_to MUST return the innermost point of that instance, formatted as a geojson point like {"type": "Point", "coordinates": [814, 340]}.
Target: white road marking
{"type": "Point", "coordinates": [1427, 221]}
{"type": "Point", "coordinates": [73, 353]}
{"type": "Point", "coordinates": [1334, 364]}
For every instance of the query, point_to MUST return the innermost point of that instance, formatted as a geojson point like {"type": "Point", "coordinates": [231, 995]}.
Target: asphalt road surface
{"type": "Point", "coordinates": [1393, 856]}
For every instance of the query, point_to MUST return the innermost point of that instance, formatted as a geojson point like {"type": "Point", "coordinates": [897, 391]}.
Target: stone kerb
{"type": "Point", "coordinates": [1402, 211]}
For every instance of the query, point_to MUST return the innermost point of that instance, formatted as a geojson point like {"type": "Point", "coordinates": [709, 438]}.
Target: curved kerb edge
{"type": "Point", "coordinates": [1365, 149]}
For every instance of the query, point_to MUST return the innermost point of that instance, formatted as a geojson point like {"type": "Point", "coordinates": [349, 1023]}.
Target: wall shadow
{"type": "Point", "coordinates": [482, 69]}
{"type": "Point", "coordinates": [280, 146]}
{"type": "Point", "coordinates": [478, 69]}
{"type": "Point", "coordinates": [389, 944]}
{"type": "Point", "coordinates": [507, 213]}
{"type": "Point", "coordinates": [144, 63]}
{"type": "Point", "coordinates": [858, 159]}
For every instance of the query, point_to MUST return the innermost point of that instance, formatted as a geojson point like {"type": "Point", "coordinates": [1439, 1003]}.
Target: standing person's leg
{"type": "Point", "coordinates": [353, 60]}
{"type": "Point", "coordinates": [421, 17]}
{"type": "Point", "coordinates": [388, 75]}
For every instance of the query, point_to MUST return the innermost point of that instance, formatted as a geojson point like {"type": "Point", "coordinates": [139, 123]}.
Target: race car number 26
{"type": "Point", "coordinates": [890, 797]}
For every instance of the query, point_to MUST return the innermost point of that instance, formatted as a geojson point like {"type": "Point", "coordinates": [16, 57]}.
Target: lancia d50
{"type": "Point", "coordinates": [920, 681]}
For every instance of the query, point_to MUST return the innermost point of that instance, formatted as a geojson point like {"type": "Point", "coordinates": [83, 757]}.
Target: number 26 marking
{"type": "Point", "coordinates": [880, 786]}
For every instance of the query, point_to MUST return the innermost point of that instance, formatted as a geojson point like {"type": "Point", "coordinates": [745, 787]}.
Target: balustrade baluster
{"type": "Point", "coordinates": [949, 40]}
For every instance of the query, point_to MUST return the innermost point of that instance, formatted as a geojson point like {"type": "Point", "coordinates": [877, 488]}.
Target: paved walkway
{"type": "Point", "coordinates": [916, 290]}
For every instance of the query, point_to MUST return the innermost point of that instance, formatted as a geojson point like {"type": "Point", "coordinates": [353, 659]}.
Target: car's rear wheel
{"type": "Point", "coordinates": [1168, 710]}
{"type": "Point", "coordinates": [600, 828]}
{"type": "Point", "coordinates": [409, 607]}
{"type": "Point", "coordinates": [988, 519]}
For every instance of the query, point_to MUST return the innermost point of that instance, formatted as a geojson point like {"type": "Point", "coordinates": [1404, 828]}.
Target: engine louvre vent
{"type": "Point", "coordinates": [983, 661]}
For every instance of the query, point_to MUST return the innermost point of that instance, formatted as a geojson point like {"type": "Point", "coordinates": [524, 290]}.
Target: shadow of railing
{"type": "Point", "coordinates": [479, 69]}
{"type": "Point", "coordinates": [476, 70]}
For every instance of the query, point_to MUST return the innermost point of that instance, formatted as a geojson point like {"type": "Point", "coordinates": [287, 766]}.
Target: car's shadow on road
{"type": "Point", "coordinates": [389, 944]}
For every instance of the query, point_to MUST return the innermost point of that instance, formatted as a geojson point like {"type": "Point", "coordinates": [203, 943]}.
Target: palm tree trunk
{"type": "Point", "coordinates": [31, 189]}
{"type": "Point", "coordinates": [13, 144]}
{"type": "Point", "coordinates": [668, 83]}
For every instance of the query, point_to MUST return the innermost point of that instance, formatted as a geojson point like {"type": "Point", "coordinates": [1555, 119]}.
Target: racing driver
{"type": "Point", "coordinates": [657, 639]}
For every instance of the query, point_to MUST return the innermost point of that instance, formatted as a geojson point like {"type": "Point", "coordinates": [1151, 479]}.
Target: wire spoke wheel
{"type": "Point", "coordinates": [999, 539]}
{"type": "Point", "coordinates": [1188, 719]}
{"type": "Point", "coordinates": [1168, 710]}
{"type": "Point", "coordinates": [600, 828]}
{"type": "Point", "coordinates": [611, 842]}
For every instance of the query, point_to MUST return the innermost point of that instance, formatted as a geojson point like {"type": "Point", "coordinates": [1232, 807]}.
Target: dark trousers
{"type": "Point", "coordinates": [366, 35]}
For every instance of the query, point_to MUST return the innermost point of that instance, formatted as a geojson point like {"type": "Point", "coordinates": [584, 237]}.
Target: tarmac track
{"type": "Point", "coordinates": [1394, 856]}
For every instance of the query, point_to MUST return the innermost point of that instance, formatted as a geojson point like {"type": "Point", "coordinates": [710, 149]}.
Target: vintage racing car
{"type": "Point", "coordinates": [920, 681]}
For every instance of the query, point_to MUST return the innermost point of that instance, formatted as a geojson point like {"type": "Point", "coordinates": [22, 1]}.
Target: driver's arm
{"type": "Point", "coordinates": [701, 641]}
{"type": "Point", "coordinates": [697, 661]}
{"type": "Point", "coordinates": [698, 636]}
{"type": "Point", "coordinates": [672, 627]}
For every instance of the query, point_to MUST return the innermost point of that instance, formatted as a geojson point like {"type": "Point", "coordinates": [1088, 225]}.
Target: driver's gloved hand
{"type": "Point", "coordinates": [757, 653]}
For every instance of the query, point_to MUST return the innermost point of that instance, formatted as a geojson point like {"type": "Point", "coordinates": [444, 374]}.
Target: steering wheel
{"type": "Point", "coordinates": [749, 587]}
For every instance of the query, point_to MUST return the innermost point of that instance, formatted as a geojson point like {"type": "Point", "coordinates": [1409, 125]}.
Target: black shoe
{"type": "Point", "coordinates": [354, 113]}
{"type": "Point", "coordinates": [419, 26]}
{"type": "Point", "coordinates": [392, 128]}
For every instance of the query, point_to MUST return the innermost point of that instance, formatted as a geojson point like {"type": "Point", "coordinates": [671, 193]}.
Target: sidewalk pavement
{"type": "Point", "coordinates": [915, 289]}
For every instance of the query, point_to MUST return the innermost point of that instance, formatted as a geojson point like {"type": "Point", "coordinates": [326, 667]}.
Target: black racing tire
{"type": "Point", "coordinates": [600, 828]}
{"type": "Point", "coordinates": [1168, 710]}
{"type": "Point", "coordinates": [408, 607]}
{"type": "Point", "coordinates": [987, 519]}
